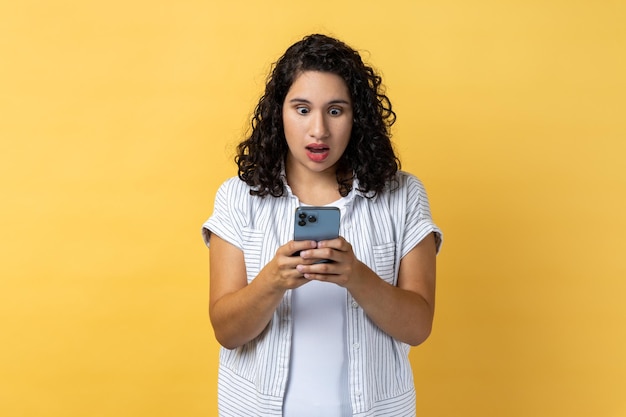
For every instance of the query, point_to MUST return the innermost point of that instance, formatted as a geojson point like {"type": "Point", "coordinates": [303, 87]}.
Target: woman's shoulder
{"type": "Point", "coordinates": [234, 185]}
{"type": "Point", "coordinates": [406, 181]}
{"type": "Point", "coordinates": [233, 192]}
{"type": "Point", "coordinates": [236, 195]}
{"type": "Point", "coordinates": [403, 190]}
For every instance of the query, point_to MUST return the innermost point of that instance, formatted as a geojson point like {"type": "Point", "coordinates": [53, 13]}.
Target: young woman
{"type": "Point", "coordinates": [303, 338]}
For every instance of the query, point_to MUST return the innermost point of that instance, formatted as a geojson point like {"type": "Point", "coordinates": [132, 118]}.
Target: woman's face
{"type": "Point", "coordinates": [317, 119]}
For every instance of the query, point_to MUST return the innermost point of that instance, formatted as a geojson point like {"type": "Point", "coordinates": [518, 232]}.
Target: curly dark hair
{"type": "Point", "coordinates": [369, 154]}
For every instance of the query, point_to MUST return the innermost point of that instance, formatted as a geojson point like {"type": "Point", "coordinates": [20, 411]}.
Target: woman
{"type": "Point", "coordinates": [304, 338]}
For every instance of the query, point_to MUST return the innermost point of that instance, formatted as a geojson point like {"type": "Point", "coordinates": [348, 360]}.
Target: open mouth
{"type": "Point", "coordinates": [317, 152]}
{"type": "Point", "coordinates": [317, 149]}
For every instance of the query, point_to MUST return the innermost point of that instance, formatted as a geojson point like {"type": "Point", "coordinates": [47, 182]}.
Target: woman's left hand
{"type": "Point", "coordinates": [339, 266]}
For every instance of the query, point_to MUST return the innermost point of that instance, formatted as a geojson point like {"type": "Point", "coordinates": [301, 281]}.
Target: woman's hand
{"type": "Point", "coordinates": [338, 262]}
{"type": "Point", "coordinates": [281, 272]}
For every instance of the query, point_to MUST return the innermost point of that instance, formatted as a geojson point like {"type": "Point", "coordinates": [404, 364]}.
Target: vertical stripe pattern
{"type": "Point", "coordinates": [382, 229]}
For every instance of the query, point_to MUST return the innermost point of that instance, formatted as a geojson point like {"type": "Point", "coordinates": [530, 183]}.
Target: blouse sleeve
{"type": "Point", "coordinates": [418, 222]}
{"type": "Point", "coordinates": [226, 218]}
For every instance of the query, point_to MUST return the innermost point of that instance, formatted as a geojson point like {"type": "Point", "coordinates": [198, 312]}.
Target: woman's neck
{"type": "Point", "coordinates": [313, 188]}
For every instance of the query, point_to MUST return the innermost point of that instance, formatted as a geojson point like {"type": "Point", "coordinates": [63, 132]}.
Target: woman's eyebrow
{"type": "Point", "coordinates": [304, 100]}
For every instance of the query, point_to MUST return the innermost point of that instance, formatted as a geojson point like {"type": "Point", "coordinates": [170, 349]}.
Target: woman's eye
{"type": "Point", "coordinates": [302, 110]}
{"type": "Point", "coordinates": [334, 112]}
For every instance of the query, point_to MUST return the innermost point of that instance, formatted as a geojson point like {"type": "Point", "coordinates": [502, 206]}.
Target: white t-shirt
{"type": "Point", "coordinates": [318, 375]}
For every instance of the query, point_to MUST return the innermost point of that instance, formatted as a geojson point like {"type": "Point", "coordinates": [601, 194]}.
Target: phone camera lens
{"type": "Point", "coordinates": [302, 215]}
{"type": "Point", "coordinates": [312, 219]}
{"type": "Point", "coordinates": [301, 223]}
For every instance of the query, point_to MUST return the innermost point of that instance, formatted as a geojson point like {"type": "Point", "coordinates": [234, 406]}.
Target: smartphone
{"type": "Point", "coordinates": [316, 223]}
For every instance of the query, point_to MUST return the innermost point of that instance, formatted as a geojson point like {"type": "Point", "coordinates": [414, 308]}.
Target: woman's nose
{"type": "Point", "coordinates": [318, 127]}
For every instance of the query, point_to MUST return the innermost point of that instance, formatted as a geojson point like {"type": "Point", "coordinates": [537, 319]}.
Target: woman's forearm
{"type": "Point", "coordinates": [240, 316]}
{"type": "Point", "coordinates": [403, 314]}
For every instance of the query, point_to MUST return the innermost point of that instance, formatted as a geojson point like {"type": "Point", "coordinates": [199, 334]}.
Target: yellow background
{"type": "Point", "coordinates": [118, 121]}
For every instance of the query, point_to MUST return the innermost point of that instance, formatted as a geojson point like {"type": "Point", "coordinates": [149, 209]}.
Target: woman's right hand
{"type": "Point", "coordinates": [281, 271]}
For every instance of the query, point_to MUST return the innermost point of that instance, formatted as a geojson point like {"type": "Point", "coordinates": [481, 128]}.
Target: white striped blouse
{"type": "Point", "coordinates": [253, 378]}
